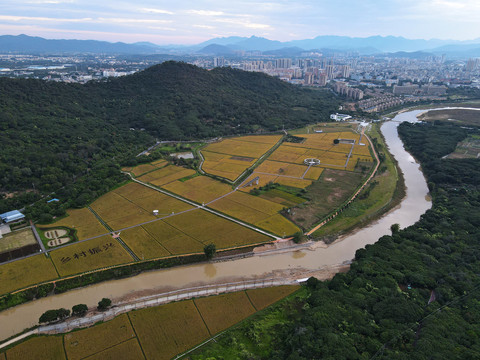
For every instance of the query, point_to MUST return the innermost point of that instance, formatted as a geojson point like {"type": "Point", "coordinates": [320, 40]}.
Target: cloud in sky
{"type": "Point", "coordinates": [190, 22]}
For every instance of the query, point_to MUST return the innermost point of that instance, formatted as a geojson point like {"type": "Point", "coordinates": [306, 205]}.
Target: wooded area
{"type": "Point", "coordinates": [71, 139]}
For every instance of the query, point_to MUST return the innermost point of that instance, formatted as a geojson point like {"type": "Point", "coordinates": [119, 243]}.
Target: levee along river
{"type": "Point", "coordinates": [298, 263]}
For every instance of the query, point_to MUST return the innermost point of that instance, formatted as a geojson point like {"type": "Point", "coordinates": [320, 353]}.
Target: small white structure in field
{"type": "Point", "coordinates": [155, 212]}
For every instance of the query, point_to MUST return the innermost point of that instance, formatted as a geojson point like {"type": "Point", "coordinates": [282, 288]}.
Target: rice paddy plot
{"type": "Point", "coordinates": [279, 225]}
{"type": "Point", "coordinates": [172, 239]}
{"type": "Point", "coordinates": [81, 220]}
{"type": "Point", "coordinates": [89, 255]}
{"type": "Point", "coordinates": [263, 297]}
{"type": "Point", "coordinates": [314, 173]}
{"type": "Point", "coordinates": [167, 174]}
{"type": "Point", "coordinates": [262, 181]}
{"type": "Point", "coordinates": [25, 272]}
{"type": "Point", "coordinates": [127, 350]}
{"type": "Point", "coordinates": [89, 341]}
{"type": "Point", "coordinates": [217, 310]}
{"type": "Point", "coordinates": [298, 183]}
{"type": "Point", "coordinates": [237, 147]}
{"type": "Point", "coordinates": [282, 197]}
{"type": "Point", "coordinates": [201, 189]}
{"type": "Point", "coordinates": [143, 244]}
{"type": "Point", "coordinates": [40, 347]}
{"type": "Point", "coordinates": [167, 330]}
{"type": "Point", "coordinates": [281, 168]}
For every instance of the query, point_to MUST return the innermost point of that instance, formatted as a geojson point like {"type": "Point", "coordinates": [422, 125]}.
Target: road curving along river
{"type": "Point", "coordinates": [298, 264]}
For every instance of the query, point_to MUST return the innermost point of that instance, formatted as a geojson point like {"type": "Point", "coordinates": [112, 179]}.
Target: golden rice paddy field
{"type": "Point", "coordinates": [159, 332]}
{"type": "Point", "coordinates": [26, 272]}
{"type": "Point", "coordinates": [255, 210]}
{"type": "Point", "coordinates": [209, 228]}
{"type": "Point", "coordinates": [41, 347]}
{"type": "Point", "coordinates": [167, 330]}
{"type": "Point", "coordinates": [144, 168]}
{"type": "Point", "coordinates": [127, 350]}
{"type": "Point", "coordinates": [81, 220]}
{"type": "Point", "coordinates": [167, 174]}
{"type": "Point", "coordinates": [217, 310]}
{"type": "Point", "coordinates": [229, 158]}
{"type": "Point", "coordinates": [133, 204]}
{"type": "Point", "coordinates": [201, 189]}
{"type": "Point", "coordinates": [89, 255]}
{"type": "Point", "coordinates": [79, 344]}
{"type": "Point", "coordinates": [264, 297]}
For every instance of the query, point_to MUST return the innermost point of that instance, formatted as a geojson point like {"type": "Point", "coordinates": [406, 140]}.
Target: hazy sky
{"type": "Point", "coordinates": [190, 22]}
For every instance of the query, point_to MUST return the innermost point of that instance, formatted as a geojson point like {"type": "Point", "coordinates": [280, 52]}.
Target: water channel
{"type": "Point", "coordinates": [296, 263]}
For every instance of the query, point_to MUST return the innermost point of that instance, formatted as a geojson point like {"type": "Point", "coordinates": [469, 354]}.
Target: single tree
{"type": "Point", "coordinates": [297, 237]}
{"type": "Point", "coordinates": [48, 316]}
{"type": "Point", "coordinates": [210, 251]}
{"type": "Point", "coordinates": [395, 228]}
{"type": "Point", "coordinates": [104, 304]}
{"type": "Point", "coordinates": [79, 310]}
{"type": "Point", "coordinates": [63, 313]}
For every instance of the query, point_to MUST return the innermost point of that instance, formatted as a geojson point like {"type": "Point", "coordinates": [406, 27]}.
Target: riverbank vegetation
{"type": "Point", "coordinates": [411, 295]}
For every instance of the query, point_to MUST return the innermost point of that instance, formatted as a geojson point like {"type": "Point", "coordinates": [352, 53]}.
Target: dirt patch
{"type": "Point", "coordinates": [242, 158]}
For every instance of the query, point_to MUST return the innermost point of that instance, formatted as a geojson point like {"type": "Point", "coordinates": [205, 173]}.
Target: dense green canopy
{"type": "Point", "coordinates": [55, 134]}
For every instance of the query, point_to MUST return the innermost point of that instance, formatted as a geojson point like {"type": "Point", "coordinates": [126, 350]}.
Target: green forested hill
{"type": "Point", "coordinates": [54, 134]}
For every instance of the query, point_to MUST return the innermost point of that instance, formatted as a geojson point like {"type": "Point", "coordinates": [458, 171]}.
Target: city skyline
{"type": "Point", "coordinates": [188, 22]}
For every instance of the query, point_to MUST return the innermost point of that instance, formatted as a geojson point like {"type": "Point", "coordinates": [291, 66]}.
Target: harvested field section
{"type": "Point", "coordinates": [17, 239]}
{"type": "Point", "coordinates": [277, 224]}
{"type": "Point", "coordinates": [201, 189]}
{"type": "Point", "coordinates": [127, 350]}
{"type": "Point", "coordinates": [89, 255]}
{"type": "Point", "coordinates": [81, 220]}
{"type": "Point", "coordinates": [222, 311]}
{"type": "Point", "coordinates": [168, 330]}
{"type": "Point", "coordinates": [40, 347]}
{"type": "Point", "coordinates": [263, 297]}
{"type": "Point", "coordinates": [143, 244]}
{"type": "Point", "coordinates": [13, 275]}
{"type": "Point", "coordinates": [86, 342]}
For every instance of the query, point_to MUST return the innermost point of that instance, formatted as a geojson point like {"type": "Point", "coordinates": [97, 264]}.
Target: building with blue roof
{"type": "Point", "coordinates": [12, 216]}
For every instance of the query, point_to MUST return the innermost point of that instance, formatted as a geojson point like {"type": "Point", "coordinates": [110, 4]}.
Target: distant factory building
{"type": "Point", "coordinates": [12, 216]}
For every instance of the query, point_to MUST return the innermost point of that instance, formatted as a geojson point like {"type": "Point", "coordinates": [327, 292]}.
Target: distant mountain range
{"type": "Point", "coordinates": [229, 46]}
